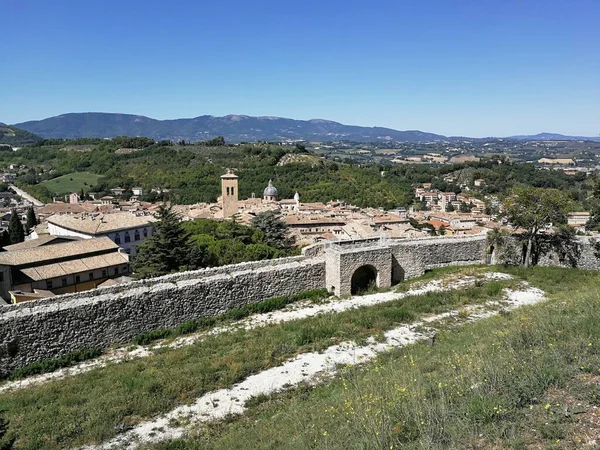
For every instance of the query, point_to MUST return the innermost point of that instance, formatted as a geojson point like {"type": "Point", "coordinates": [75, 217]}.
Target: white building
{"type": "Point", "coordinates": [125, 229]}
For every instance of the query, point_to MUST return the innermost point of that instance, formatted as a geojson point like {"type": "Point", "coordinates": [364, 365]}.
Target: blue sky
{"type": "Point", "coordinates": [455, 67]}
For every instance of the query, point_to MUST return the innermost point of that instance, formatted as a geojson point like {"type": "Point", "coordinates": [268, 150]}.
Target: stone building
{"type": "Point", "coordinates": [60, 268]}
{"type": "Point", "coordinates": [229, 194]}
{"type": "Point", "coordinates": [126, 229]}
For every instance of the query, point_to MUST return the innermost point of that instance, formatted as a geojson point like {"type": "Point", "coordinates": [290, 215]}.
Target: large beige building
{"type": "Point", "coordinates": [126, 229]}
{"type": "Point", "coordinates": [73, 266]}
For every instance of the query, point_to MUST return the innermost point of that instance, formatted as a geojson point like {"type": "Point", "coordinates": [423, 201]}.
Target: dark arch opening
{"type": "Point", "coordinates": [490, 254]}
{"type": "Point", "coordinates": [363, 279]}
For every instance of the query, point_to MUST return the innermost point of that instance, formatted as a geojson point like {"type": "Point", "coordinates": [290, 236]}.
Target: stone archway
{"type": "Point", "coordinates": [363, 278]}
{"type": "Point", "coordinates": [349, 269]}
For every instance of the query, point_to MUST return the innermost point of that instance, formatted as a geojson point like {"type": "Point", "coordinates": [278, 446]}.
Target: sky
{"type": "Point", "coordinates": [454, 67]}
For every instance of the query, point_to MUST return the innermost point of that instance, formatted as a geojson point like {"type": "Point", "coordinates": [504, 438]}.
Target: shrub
{"type": "Point", "coordinates": [51, 365]}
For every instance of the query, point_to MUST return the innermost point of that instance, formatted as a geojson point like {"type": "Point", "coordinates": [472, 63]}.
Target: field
{"type": "Point", "coordinates": [522, 378]}
{"type": "Point", "coordinates": [72, 182]}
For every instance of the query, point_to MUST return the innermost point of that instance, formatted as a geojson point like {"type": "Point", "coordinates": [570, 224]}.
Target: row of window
{"type": "Point", "coordinates": [230, 190]}
{"type": "Point", "coordinates": [90, 277]}
{"type": "Point", "coordinates": [127, 236]}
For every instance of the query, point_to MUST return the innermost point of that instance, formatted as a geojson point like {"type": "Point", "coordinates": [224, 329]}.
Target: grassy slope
{"type": "Point", "coordinates": [528, 379]}
{"type": "Point", "coordinates": [95, 406]}
{"type": "Point", "coordinates": [72, 182]}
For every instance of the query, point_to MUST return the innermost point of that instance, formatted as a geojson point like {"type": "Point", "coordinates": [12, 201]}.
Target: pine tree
{"type": "Point", "coordinates": [32, 220]}
{"type": "Point", "coordinates": [15, 228]}
{"type": "Point", "coordinates": [167, 250]}
{"type": "Point", "coordinates": [274, 229]}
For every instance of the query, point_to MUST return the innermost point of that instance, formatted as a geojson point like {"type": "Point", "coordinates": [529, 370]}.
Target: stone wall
{"type": "Point", "coordinates": [341, 263]}
{"type": "Point", "coordinates": [39, 330]}
{"type": "Point", "coordinates": [413, 258]}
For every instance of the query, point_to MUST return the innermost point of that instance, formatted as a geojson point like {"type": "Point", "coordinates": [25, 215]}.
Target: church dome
{"type": "Point", "coordinates": [270, 190]}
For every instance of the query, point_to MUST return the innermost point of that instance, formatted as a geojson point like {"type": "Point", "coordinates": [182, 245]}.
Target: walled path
{"type": "Point", "coordinates": [25, 195]}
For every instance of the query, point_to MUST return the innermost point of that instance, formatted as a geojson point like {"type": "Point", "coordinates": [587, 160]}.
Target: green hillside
{"type": "Point", "coordinates": [72, 182]}
{"type": "Point", "coordinates": [16, 137]}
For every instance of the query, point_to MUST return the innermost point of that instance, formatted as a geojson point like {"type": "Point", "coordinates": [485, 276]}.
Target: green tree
{"type": "Point", "coordinates": [535, 209]}
{"type": "Point", "coordinates": [167, 250]}
{"type": "Point", "coordinates": [450, 207]}
{"type": "Point", "coordinates": [442, 230]}
{"type": "Point", "coordinates": [275, 231]}
{"type": "Point", "coordinates": [32, 220]}
{"type": "Point", "coordinates": [15, 228]}
{"type": "Point", "coordinates": [4, 239]}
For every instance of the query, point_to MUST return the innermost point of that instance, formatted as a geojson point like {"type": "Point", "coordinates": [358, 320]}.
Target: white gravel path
{"type": "Point", "coordinates": [296, 311]}
{"type": "Point", "coordinates": [307, 367]}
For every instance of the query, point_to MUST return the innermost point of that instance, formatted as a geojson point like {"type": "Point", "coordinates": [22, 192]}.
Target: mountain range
{"type": "Point", "coordinates": [234, 128]}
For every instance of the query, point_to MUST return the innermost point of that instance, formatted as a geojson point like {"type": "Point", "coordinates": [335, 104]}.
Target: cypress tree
{"type": "Point", "coordinates": [15, 228]}
{"type": "Point", "coordinates": [4, 239]}
{"type": "Point", "coordinates": [32, 220]}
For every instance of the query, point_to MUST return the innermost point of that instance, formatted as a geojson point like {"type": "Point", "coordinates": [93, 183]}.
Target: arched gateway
{"type": "Point", "coordinates": [352, 268]}
{"type": "Point", "coordinates": [363, 278]}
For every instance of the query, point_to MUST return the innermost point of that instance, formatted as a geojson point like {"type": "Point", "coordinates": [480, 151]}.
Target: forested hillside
{"type": "Point", "coordinates": [16, 137]}
{"type": "Point", "coordinates": [191, 172]}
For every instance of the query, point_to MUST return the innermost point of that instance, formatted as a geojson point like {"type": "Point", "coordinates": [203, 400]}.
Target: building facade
{"type": "Point", "coordinates": [125, 229]}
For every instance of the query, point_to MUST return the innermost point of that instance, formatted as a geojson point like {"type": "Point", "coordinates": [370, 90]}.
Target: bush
{"type": "Point", "coordinates": [50, 365]}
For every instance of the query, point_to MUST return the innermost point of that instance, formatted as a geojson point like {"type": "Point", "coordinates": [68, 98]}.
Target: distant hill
{"type": "Point", "coordinates": [553, 137]}
{"type": "Point", "coordinates": [16, 137]}
{"type": "Point", "coordinates": [234, 128]}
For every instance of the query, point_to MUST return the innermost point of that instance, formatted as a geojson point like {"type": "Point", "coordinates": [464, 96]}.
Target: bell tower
{"type": "Point", "coordinates": [229, 193]}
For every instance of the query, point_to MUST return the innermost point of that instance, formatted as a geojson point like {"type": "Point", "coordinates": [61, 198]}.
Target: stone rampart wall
{"type": "Point", "coordinates": [40, 330]}
{"type": "Point", "coordinates": [413, 258]}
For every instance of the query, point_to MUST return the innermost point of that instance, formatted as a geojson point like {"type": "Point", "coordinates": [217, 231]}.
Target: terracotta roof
{"type": "Point", "coordinates": [56, 208]}
{"type": "Point", "coordinates": [437, 224]}
{"type": "Point", "coordinates": [56, 251]}
{"type": "Point", "coordinates": [101, 223]}
{"type": "Point", "coordinates": [300, 220]}
{"type": "Point", "coordinates": [42, 240]}
{"type": "Point", "coordinates": [55, 270]}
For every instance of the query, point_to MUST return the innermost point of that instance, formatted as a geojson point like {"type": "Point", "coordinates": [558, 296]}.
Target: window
{"type": "Point", "coordinates": [103, 272]}
{"type": "Point", "coordinates": [48, 284]}
{"type": "Point", "coordinates": [232, 190]}
{"type": "Point", "coordinates": [116, 271]}
{"type": "Point", "coordinates": [145, 232]}
{"type": "Point", "coordinates": [118, 238]}
{"type": "Point", "coordinates": [63, 281]}
{"type": "Point", "coordinates": [91, 276]}
{"type": "Point", "coordinates": [127, 237]}
{"type": "Point", "coordinates": [136, 236]}
{"type": "Point", "coordinates": [77, 279]}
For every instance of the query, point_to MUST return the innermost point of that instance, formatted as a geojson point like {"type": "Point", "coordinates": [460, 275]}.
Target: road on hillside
{"type": "Point", "coordinates": [25, 195]}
